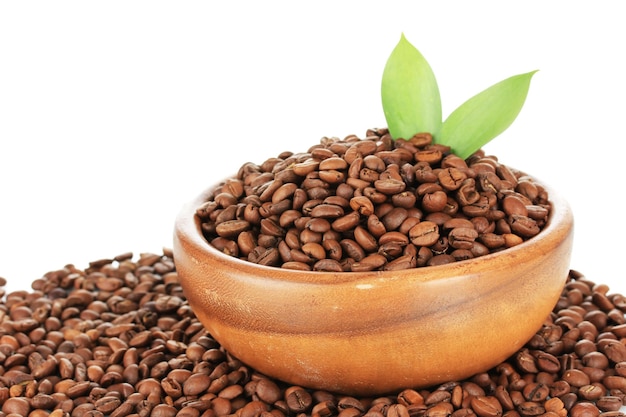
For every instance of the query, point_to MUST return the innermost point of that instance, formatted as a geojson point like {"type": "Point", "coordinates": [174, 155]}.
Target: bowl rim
{"type": "Point", "coordinates": [556, 230]}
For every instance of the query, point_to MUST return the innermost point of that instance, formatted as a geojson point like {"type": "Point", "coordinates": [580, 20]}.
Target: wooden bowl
{"type": "Point", "coordinates": [375, 332]}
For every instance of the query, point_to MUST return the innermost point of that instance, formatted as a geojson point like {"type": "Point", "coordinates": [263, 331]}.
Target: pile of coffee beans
{"type": "Point", "coordinates": [372, 204]}
{"type": "Point", "coordinates": [119, 339]}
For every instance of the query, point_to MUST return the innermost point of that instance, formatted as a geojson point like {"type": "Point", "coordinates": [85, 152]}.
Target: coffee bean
{"type": "Point", "coordinates": [451, 178]}
{"type": "Point", "coordinates": [425, 233]}
{"type": "Point", "coordinates": [318, 225]}
{"type": "Point", "coordinates": [352, 249]}
{"type": "Point", "coordinates": [327, 211]}
{"type": "Point", "coordinates": [537, 212]}
{"type": "Point", "coordinates": [164, 410]}
{"type": "Point", "coordinates": [595, 360]}
{"type": "Point", "coordinates": [547, 362]}
{"type": "Point", "coordinates": [576, 378]}
{"type": "Point", "coordinates": [389, 186]}
{"type": "Point", "coordinates": [535, 391]}
{"type": "Point", "coordinates": [404, 199]}
{"type": "Point", "coordinates": [524, 225]}
{"type": "Point", "coordinates": [369, 263]}
{"type": "Point", "coordinates": [397, 410]}
{"type": "Point", "coordinates": [462, 237]}
{"type": "Point", "coordinates": [486, 406]}
{"type": "Point", "coordinates": [375, 226]}
{"type": "Point", "coordinates": [434, 202]}
{"type": "Point", "coordinates": [314, 250]}
{"type": "Point", "coordinates": [609, 403]}
{"type": "Point", "coordinates": [431, 156]}
{"type": "Point", "coordinates": [346, 222]}
{"type": "Point", "coordinates": [511, 240]}
{"type": "Point", "coordinates": [107, 404]}
{"type": "Point", "coordinates": [366, 240]}
{"type": "Point", "coordinates": [530, 408]}
{"type": "Point", "coordinates": [584, 409]}
{"type": "Point", "coordinates": [17, 406]}
{"type": "Point", "coordinates": [410, 397]}
{"type": "Point", "coordinates": [333, 163]}
{"type": "Point", "coordinates": [298, 399]}
{"type": "Point", "coordinates": [614, 350]}
{"type": "Point", "coordinates": [268, 391]}
{"type": "Point", "coordinates": [328, 265]}
{"type": "Point", "coordinates": [362, 205]}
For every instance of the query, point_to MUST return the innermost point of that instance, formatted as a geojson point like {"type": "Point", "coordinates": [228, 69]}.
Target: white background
{"type": "Point", "coordinates": [114, 114]}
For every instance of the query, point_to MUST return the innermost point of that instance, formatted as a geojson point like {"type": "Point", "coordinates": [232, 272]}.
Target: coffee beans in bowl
{"type": "Point", "coordinates": [364, 266]}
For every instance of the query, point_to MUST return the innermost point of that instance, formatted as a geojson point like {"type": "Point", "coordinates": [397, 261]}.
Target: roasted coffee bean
{"type": "Point", "coordinates": [267, 391]}
{"type": "Point", "coordinates": [314, 250]}
{"type": "Point", "coordinates": [523, 225]}
{"type": "Point", "coordinates": [305, 167]}
{"type": "Point", "coordinates": [404, 199]}
{"type": "Point", "coordinates": [614, 350]}
{"type": "Point", "coordinates": [352, 249]}
{"type": "Point", "coordinates": [333, 249]}
{"type": "Point", "coordinates": [462, 237]}
{"type": "Point", "coordinates": [451, 178]}
{"type": "Point", "coordinates": [397, 410]}
{"type": "Point", "coordinates": [327, 211]}
{"type": "Point", "coordinates": [531, 408]}
{"type": "Point", "coordinates": [576, 378]}
{"type": "Point", "coordinates": [333, 163]}
{"type": "Point", "coordinates": [535, 392]}
{"type": "Point", "coordinates": [375, 226]}
{"type": "Point", "coordinates": [434, 202]}
{"type": "Point", "coordinates": [583, 409]}
{"type": "Point", "coordinates": [486, 406]}
{"type": "Point", "coordinates": [402, 262]}
{"type": "Point", "coordinates": [428, 188]}
{"type": "Point", "coordinates": [504, 398]}
{"type": "Point", "coordinates": [369, 263]}
{"type": "Point", "coordinates": [591, 392]}
{"type": "Point", "coordinates": [526, 361]}
{"type": "Point", "coordinates": [362, 205]}
{"type": "Point", "coordinates": [331, 265]}
{"type": "Point", "coordinates": [547, 362]}
{"type": "Point", "coordinates": [394, 237]}
{"type": "Point", "coordinates": [614, 382]}
{"type": "Point", "coordinates": [595, 360]}
{"type": "Point", "coordinates": [514, 205]}
{"type": "Point", "coordinates": [394, 218]}
{"type": "Point", "coordinates": [425, 233]}
{"type": "Point", "coordinates": [18, 406]}
{"type": "Point", "coordinates": [346, 222]}
{"type": "Point", "coordinates": [410, 397]}
{"type": "Point", "coordinates": [467, 193]}
{"type": "Point", "coordinates": [430, 156]}
{"type": "Point", "coordinates": [107, 404]}
{"type": "Point", "coordinates": [511, 240]}
{"type": "Point", "coordinates": [318, 225]}
{"type": "Point", "coordinates": [298, 399]}
{"type": "Point", "coordinates": [365, 239]}
{"type": "Point", "coordinates": [392, 250]}
{"type": "Point", "coordinates": [609, 403]}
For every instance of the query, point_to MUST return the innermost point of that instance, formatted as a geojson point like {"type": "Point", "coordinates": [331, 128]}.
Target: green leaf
{"type": "Point", "coordinates": [410, 94]}
{"type": "Point", "coordinates": [484, 116]}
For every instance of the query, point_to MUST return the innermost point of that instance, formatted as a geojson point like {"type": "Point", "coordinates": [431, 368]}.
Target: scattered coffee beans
{"type": "Point", "coordinates": [372, 204]}
{"type": "Point", "coordinates": [119, 339]}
